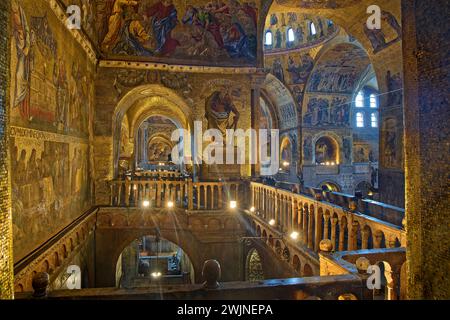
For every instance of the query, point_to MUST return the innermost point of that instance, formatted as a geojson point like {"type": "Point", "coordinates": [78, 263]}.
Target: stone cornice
{"type": "Point", "coordinates": [177, 68]}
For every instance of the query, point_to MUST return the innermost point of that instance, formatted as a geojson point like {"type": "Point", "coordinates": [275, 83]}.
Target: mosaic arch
{"type": "Point", "coordinates": [331, 85]}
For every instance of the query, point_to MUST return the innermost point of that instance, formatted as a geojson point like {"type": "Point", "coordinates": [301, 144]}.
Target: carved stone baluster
{"type": "Point", "coordinates": [352, 235]}
{"type": "Point", "coordinates": [377, 238]}
{"type": "Point", "coordinates": [310, 229]}
{"type": "Point", "coordinates": [205, 193]}
{"type": "Point", "coordinates": [364, 239]}
{"type": "Point", "coordinates": [197, 193]}
{"type": "Point", "coordinates": [190, 195]}
{"type": "Point", "coordinates": [305, 224]}
{"type": "Point", "coordinates": [342, 226]}
{"type": "Point", "coordinates": [220, 196]}
{"type": "Point", "coordinates": [127, 193]}
{"type": "Point", "coordinates": [326, 221]}
{"type": "Point", "coordinates": [334, 222]}
{"type": "Point", "coordinates": [158, 191]}
{"type": "Point", "coordinates": [318, 228]}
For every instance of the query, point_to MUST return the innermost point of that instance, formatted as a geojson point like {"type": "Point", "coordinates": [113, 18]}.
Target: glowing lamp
{"type": "Point", "coordinates": [294, 235]}
{"type": "Point", "coordinates": [233, 204]}
{"type": "Point", "coordinates": [170, 204]}
{"type": "Point", "coordinates": [272, 222]}
{"type": "Point", "coordinates": [252, 209]}
{"type": "Point", "coordinates": [146, 203]}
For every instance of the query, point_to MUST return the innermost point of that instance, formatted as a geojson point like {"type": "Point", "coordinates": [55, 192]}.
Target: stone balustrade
{"type": "Point", "coordinates": [315, 220]}
{"type": "Point", "coordinates": [312, 288]}
{"type": "Point", "coordinates": [176, 193]}
{"type": "Point", "coordinates": [391, 262]}
{"type": "Point", "coordinates": [52, 257]}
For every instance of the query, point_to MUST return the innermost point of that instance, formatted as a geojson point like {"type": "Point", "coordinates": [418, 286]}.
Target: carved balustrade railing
{"type": "Point", "coordinates": [315, 220]}
{"type": "Point", "coordinates": [177, 193]}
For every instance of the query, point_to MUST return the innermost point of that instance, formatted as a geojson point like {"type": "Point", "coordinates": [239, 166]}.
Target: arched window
{"type": "Point", "coordinates": [312, 29]}
{"type": "Point", "coordinates": [373, 101]}
{"type": "Point", "coordinates": [359, 119]}
{"type": "Point", "coordinates": [290, 35]}
{"type": "Point", "coordinates": [359, 102]}
{"type": "Point", "coordinates": [374, 120]}
{"type": "Point", "coordinates": [269, 38]}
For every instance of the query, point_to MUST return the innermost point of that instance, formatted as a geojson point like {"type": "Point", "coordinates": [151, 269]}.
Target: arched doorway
{"type": "Point", "coordinates": [150, 260]}
{"type": "Point", "coordinates": [145, 102]}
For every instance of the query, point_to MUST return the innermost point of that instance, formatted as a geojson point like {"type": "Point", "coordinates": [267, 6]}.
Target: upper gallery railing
{"type": "Point", "coordinates": [315, 220]}
{"type": "Point", "coordinates": [176, 193]}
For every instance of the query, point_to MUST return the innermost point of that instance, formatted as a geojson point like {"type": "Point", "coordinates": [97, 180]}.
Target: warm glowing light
{"type": "Point", "coordinates": [332, 163]}
{"type": "Point", "coordinates": [272, 222]}
{"type": "Point", "coordinates": [285, 164]}
{"type": "Point", "coordinates": [294, 235]}
{"type": "Point", "coordinates": [233, 204]}
{"type": "Point", "coordinates": [327, 163]}
{"type": "Point", "coordinates": [252, 209]}
{"type": "Point", "coordinates": [145, 203]}
{"type": "Point", "coordinates": [170, 204]}
{"type": "Point", "coordinates": [135, 187]}
{"type": "Point", "coordinates": [156, 274]}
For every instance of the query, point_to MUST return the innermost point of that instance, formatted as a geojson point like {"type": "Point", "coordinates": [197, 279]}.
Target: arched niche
{"type": "Point", "coordinates": [326, 151]}
{"type": "Point", "coordinates": [285, 153]}
{"type": "Point", "coordinates": [151, 259]}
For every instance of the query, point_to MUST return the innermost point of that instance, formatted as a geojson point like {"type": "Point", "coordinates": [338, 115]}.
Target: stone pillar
{"type": "Point", "coordinates": [364, 239]}
{"type": "Point", "coordinates": [318, 228]}
{"type": "Point", "coordinates": [426, 83]}
{"type": "Point", "coordinates": [257, 81]}
{"type": "Point", "coordinates": [6, 254]}
{"type": "Point", "coordinates": [377, 238]}
{"type": "Point", "coordinates": [304, 225]}
{"type": "Point", "coordinates": [144, 146]}
{"type": "Point", "coordinates": [342, 235]}
{"type": "Point", "coordinates": [334, 222]}
{"type": "Point", "coordinates": [326, 219]}
{"type": "Point", "coordinates": [352, 234]}
{"type": "Point", "coordinates": [310, 229]}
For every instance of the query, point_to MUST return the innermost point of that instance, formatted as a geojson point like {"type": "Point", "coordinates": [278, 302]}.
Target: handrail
{"type": "Point", "coordinates": [25, 261]}
{"type": "Point", "coordinates": [316, 220]}
{"type": "Point", "coordinates": [175, 193]}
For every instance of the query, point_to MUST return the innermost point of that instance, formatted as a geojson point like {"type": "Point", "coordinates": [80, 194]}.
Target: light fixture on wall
{"type": "Point", "coordinates": [233, 204]}
{"type": "Point", "coordinates": [252, 209]}
{"type": "Point", "coordinates": [285, 164]}
{"type": "Point", "coordinates": [272, 222]}
{"type": "Point", "coordinates": [170, 204]}
{"type": "Point", "coordinates": [146, 203]}
{"type": "Point", "coordinates": [294, 235]}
